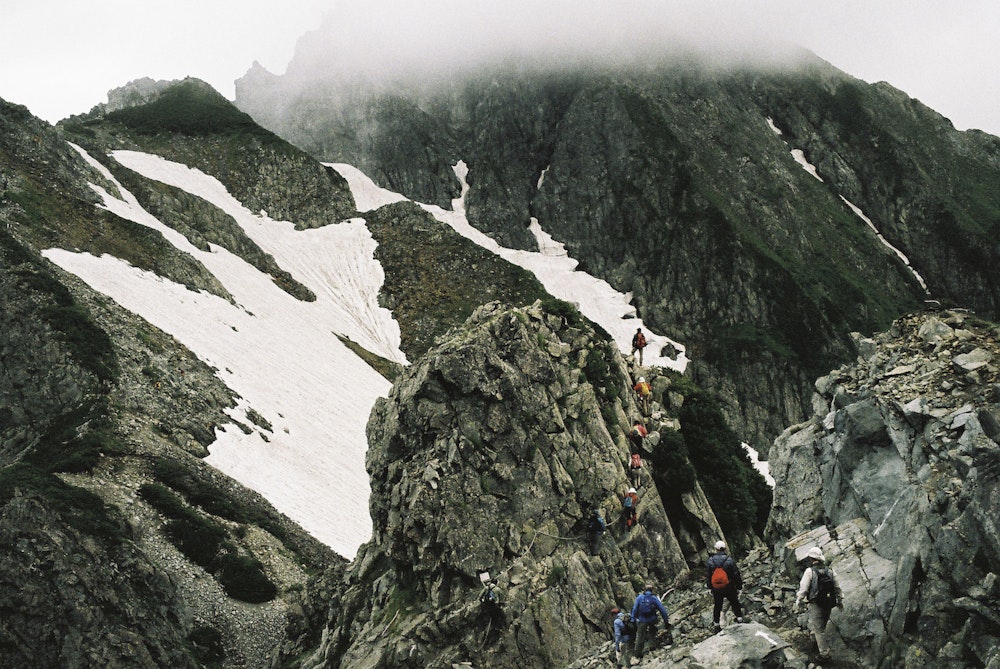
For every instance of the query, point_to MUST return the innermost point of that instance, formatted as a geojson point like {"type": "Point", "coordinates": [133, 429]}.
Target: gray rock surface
{"type": "Point", "coordinates": [895, 477]}
{"type": "Point", "coordinates": [489, 454]}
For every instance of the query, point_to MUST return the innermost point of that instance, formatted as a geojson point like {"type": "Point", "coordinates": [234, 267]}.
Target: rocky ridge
{"type": "Point", "coordinates": [904, 438]}
{"type": "Point", "coordinates": [895, 476]}
{"type": "Point", "coordinates": [489, 455]}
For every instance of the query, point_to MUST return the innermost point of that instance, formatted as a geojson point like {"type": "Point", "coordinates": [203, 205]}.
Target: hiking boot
{"type": "Point", "coordinates": [716, 628]}
{"type": "Point", "coordinates": [741, 619]}
{"type": "Point", "coordinates": [634, 661]}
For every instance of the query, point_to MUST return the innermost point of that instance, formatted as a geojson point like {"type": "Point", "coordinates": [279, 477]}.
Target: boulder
{"type": "Point", "coordinates": [748, 646]}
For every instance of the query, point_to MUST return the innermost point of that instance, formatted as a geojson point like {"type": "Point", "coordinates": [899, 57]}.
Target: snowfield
{"type": "Point", "coordinates": [282, 356]}
{"type": "Point", "coordinates": [595, 298]}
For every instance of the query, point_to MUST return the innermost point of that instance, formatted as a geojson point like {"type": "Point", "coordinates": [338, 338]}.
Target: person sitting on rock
{"type": "Point", "coordinates": [624, 635]}
{"type": "Point", "coordinates": [819, 587]}
{"type": "Point", "coordinates": [644, 611]}
{"type": "Point", "coordinates": [724, 582]}
{"type": "Point", "coordinates": [630, 504]}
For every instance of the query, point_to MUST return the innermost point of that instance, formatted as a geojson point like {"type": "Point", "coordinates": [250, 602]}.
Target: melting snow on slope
{"type": "Point", "coordinates": [800, 158]}
{"type": "Point", "coordinates": [762, 466]}
{"type": "Point", "coordinates": [595, 298]}
{"type": "Point", "coordinates": [281, 355]}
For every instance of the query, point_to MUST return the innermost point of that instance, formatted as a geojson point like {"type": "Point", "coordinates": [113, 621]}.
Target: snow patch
{"type": "Point", "coordinates": [800, 158]}
{"type": "Point", "coordinates": [762, 466]}
{"type": "Point", "coordinates": [282, 356]}
{"type": "Point", "coordinates": [595, 298]}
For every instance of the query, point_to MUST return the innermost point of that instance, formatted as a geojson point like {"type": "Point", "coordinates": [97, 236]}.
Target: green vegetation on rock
{"type": "Point", "coordinates": [435, 278]}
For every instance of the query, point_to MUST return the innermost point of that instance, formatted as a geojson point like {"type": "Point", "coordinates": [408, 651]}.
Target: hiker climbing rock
{"type": "Point", "coordinates": [630, 504]}
{"type": "Point", "coordinates": [624, 635]}
{"type": "Point", "coordinates": [820, 588]}
{"type": "Point", "coordinates": [635, 469]}
{"type": "Point", "coordinates": [644, 392]}
{"type": "Point", "coordinates": [596, 527]}
{"type": "Point", "coordinates": [644, 611]}
{"type": "Point", "coordinates": [638, 343]}
{"type": "Point", "coordinates": [491, 615]}
{"type": "Point", "coordinates": [724, 582]}
{"type": "Point", "coordinates": [636, 434]}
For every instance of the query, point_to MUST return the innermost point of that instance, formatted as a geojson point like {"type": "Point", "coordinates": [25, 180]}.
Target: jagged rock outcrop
{"type": "Point", "coordinates": [895, 475]}
{"type": "Point", "coordinates": [489, 455]}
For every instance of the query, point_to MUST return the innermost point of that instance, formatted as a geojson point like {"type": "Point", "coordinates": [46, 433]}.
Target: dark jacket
{"type": "Point", "coordinates": [720, 559]}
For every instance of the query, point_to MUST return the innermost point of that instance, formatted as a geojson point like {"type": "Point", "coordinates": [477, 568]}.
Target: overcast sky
{"type": "Point", "coordinates": [60, 57]}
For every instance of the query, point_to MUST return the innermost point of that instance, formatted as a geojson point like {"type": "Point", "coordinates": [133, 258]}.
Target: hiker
{"type": "Point", "coordinates": [491, 611]}
{"type": "Point", "coordinates": [624, 635]}
{"type": "Point", "coordinates": [644, 611]}
{"type": "Point", "coordinates": [638, 343]}
{"type": "Point", "coordinates": [644, 392]}
{"type": "Point", "coordinates": [637, 434]}
{"type": "Point", "coordinates": [630, 503]}
{"type": "Point", "coordinates": [635, 469]}
{"type": "Point", "coordinates": [725, 582]}
{"type": "Point", "coordinates": [596, 527]}
{"type": "Point", "coordinates": [819, 587]}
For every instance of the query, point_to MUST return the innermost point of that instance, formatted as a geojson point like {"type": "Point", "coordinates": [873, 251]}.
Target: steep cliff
{"type": "Point", "coordinates": [895, 476]}
{"type": "Point", "coordinates": [489, 456]}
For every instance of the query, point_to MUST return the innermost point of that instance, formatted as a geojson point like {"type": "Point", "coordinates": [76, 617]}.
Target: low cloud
{"type": "Point", "coordinates": [387, 39]}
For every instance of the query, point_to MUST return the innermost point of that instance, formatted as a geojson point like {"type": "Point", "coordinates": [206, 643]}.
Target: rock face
{"type": "Point", "coordinates": [489, 455]}
{"type": "Point", "coordinates": [103, 421]}
{"type": "Point", "coordinates": [895, 476]}
{"type": "Point", "coordinates": [671, 182]}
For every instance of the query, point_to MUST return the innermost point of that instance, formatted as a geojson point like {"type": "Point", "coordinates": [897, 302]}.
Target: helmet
{"type": "Point", "coordinates": [642, 379]}
{"type": "Point", "coordinates": [720, 545]}
{"type": "Point", "coordinates": [816, 554]}
{"type": "Point", "coordinates": [631, 489]}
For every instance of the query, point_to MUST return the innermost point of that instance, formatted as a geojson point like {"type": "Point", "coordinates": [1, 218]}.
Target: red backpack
{"type": "Point", "coordinates": [720, 579]}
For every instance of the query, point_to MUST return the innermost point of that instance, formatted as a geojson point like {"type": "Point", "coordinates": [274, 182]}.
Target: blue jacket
{"type": "Point", "coordinates": [620, 635]}
{"type": "Point", "coordinates": [654, 604]}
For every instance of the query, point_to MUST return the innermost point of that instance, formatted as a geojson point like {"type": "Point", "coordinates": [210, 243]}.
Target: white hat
{"type": "Point", "coordinates": [642, 379]}
{"type": "Point", "coordinates": [720, 545]}
{"type": "Point", "coordinates": [631, 489]}
{"type": "Point", "coordinates": [816, 554]}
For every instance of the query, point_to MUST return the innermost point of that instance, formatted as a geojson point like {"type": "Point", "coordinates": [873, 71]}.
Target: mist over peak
{"type": "Point", "coordinates": [386, 42]}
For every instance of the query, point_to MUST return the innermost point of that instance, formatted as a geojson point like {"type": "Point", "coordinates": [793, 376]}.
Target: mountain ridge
{"type": "Point", "coordinates": [133, 425]}
{"type": "Point", "coordinates": [671, 182]}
